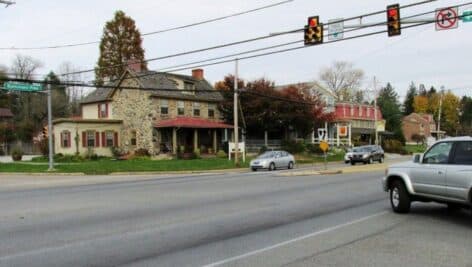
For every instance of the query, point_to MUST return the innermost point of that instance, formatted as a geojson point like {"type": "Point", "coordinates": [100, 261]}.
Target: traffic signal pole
{"type": "Point", "coordinates": [51, 154]}
{"type": "Point", "coordinates": [235, 116]}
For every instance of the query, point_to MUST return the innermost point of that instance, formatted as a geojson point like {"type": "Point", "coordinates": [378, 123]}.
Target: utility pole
{"type": "Point", "coordinates": [375, 112]}
{"type": "Point", "coordinates": [439, 115]}
{"type": "Point", "coordinates": [51, 156]}
{"type": "Point", "coordinates": [235, 116]}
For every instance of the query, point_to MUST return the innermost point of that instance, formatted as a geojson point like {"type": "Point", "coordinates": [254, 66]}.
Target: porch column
{"type": "Point", "coordinates": [214, 141]}
{"type": "Point", "coordinates": [350, 134]}
{"type": "Point", "coordinates": [326, 132]}
{"type": "Point", "coordinates": [266, 138]}
{"type": "Point", "coordinates": [337, 134]}
{"type": "Point", "coordinates": [195, 139]}
{"type": "Point", "coordinates": [226, 134]}
{"type": "Point", "coordinates": [174, 141]}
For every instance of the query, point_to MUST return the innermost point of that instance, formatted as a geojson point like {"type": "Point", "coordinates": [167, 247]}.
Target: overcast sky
{"type": "Point", "coordinates": [420, 54]}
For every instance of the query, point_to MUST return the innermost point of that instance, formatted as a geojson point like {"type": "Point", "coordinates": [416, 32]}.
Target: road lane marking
{"type": "Point", "coordinates": [326, 230]}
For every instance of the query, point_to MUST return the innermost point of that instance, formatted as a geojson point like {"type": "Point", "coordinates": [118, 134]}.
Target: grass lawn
{"type": "Point", "coordinates": [415, 148]}
{"type": "Point", "coordinates": [105, 166]}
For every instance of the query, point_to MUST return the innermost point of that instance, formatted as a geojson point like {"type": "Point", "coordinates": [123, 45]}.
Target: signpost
{"type": "Point", "coordinates": [447, 18]}
{"type": "Point", "coordinates": [325, 146]}
{"type": "Point", "coordinates": [26, 87]}
{"type": "Point", "coordinates": [335, 29]}
{"type": "Point", "coordinates": [467, 16]}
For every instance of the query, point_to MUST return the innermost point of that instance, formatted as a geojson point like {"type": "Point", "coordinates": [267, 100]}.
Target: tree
{"type": "Point", "coordinates": [387, 100]}
{"type": "Point", "coordinates": [450, 118]}
{"type": "Point", "coordinates": [420, 104]}
{"type": "Point", "coordinates": [410, 99]}
{"type": "Point", "coordinates": [342, 79]}
{"type": "Point", "coordinates": [74, 93]}
{"type": "Point", "coordinates": [466, 115]}
{"type": "Point", "coordinates": [121, 42]}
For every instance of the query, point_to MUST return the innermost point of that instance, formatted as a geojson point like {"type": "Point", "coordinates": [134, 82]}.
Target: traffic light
{"type": "Point", "coordinates": [393, 20]}
{"type": "Point", "coordinates": [313, 31]}
{"type": "Point", "coordinates": [45, 132]}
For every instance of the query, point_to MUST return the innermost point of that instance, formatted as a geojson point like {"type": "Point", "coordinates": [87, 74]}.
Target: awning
{"type": "Point", "coordinates": [192, 123]}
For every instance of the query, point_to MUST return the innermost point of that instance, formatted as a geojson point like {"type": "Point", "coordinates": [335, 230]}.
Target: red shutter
{"type": "Point", "coordinates": [62, 140]}
{"type": "Point", "coordinates": [115, 137]}
{"type": "Point", "coordinates": [84, 139]}
{"type": "Point", "coordinates": [97, 139]}
{"type": "Point", "coordinates": [106, 110]}
{"type": "Point", "coordinates": [98, 107]}
{"type": "Point", "coordinates": [104, 139]}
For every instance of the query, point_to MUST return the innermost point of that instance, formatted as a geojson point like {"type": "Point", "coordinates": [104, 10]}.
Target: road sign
{"type": "Point", "coordinates": [447, 18]}
{"type": "Point", "coordinates": [324, 146]}
{"type": "Point", "coordinates": [28, 87]}
{"type": "Point", "coordinates": [467, 16]}
{"type": "Point", "coordinates": [335, 29]}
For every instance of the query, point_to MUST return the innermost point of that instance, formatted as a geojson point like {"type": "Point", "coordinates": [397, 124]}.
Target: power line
{"type": "Point", "coordinates": [155, 32]}
{"type": "Point", "coordinates": [234, 43]}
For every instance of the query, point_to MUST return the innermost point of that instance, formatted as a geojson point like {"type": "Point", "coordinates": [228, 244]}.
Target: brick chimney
{"type": "Point", "coordinates": [197, 74]}
{"type": "Point", "coordinates": [134, 65]}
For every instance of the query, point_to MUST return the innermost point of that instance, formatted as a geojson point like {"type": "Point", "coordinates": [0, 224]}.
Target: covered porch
{"type": "Point", "coordinates": [187, 135]}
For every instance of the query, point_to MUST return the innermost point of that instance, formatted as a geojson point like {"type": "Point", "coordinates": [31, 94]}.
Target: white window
{"type": "Point", "coordinates": [352, 110]}
{"type": "Point", "coordinates": [103, 110]}
{"type": "Point", "coordinates": [180, 108]}
{"type": "Point", "coordinates": [65, 139]}
{"type": "Point", "coordinates": [360, 111]}
{"type": "Point", "coordinates": [211, 110]}
{"type": "Point", "coordinates": [109, 139]}
{"type": "Point", "coordinates": [164, 106]}
{"type": "Point", "coordinates": [90, 139]}
{"type": "Point", "coordinates": [196, 109]}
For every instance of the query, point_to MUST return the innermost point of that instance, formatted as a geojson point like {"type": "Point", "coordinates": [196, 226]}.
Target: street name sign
{"type": "Point", "coordinates": [335, 29]}
{"type": "Point", "coordinates": [447, 18]}
{"type": "Point", "coordinates": [467, 16]}
{"type": "Point", "coordinates": [27, 87]}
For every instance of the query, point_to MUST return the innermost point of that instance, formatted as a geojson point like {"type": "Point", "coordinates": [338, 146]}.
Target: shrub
{"type": "Point", "coordinates": [221, 154]}
{"type": "Point", "coordinates": [313, 148]}
{"type": "Point", "coordinates": [142, 152]}
{"type": "Point", "coordinates": [68, 158]}
{"type": "Point", "coordinates": [293, 147]}
{"type": "Point", "coordinates": [262, 149]}
{"type": "Point", "coordinates": [394, 146]}
{"type": "Point", "coordinates": [116, 152]}
{"type": "Point", "coordinates": [418, 138]}
{"type": "Point", "coordinates": [197, 153]}
{"type": "Point", "coordinates": [16, 154]}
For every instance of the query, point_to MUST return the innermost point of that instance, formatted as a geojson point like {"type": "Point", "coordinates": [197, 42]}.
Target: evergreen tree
{"type": "Point", "coordinates": [120, 43]}
{"type": "Point", "coordinates": [410, 99]}
{"type": "Point", "coordinates": [390, 107]}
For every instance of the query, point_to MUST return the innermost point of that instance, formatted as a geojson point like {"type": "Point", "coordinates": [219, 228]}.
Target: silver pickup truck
{"type": "Point", "coordinates": [442, 174]}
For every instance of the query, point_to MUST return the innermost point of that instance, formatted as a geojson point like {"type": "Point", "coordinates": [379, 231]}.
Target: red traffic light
{"type": "Point", "coordinates": [393, 20]}
{"type": "Point", "coordinates": [313, 21]}
{"type": "Point", "coordinates": [392, 12]}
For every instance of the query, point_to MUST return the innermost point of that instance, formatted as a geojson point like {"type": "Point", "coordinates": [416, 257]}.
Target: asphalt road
{"type": "Point", "coordinates": [232, 219]}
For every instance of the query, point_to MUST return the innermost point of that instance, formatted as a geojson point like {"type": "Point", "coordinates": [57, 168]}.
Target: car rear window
{"type": "Point", "coordinates": [463, 153]}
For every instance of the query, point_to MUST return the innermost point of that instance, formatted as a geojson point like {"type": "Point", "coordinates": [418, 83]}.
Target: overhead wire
{"type": "Point", "coordinates": [235, 43]}
{"type": "Point", "coordinates": [155, 32]}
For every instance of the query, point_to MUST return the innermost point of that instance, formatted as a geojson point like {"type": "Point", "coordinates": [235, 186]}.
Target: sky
{"type": "Point", "coordinates": [419, 55]}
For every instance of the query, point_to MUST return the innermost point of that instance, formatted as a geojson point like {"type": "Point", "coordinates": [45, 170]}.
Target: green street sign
{"type": "Point", "coordinates": [467, 16]}
{"type": "Point", "coordinates": [17, 86]}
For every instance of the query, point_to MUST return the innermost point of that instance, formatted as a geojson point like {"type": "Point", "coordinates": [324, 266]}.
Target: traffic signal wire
{"type": "Point", "coordinates": [155, 32]}
{"type": "Point", "coordinates": [234, 43]}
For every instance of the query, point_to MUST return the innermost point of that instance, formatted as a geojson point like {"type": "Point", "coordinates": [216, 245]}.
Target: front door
{"type": "Point", "coordinates": [459, 172]}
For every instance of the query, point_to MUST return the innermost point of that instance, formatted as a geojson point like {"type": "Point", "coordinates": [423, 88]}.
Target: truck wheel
{"type": "Point", "coordinates": [272, 167]}
{"type": "Point", "coordinates": [381, 159]}
{"type": "Point", "coordinates": [399, 197]}
{"type": "Point", "coordinates": [370, 160]}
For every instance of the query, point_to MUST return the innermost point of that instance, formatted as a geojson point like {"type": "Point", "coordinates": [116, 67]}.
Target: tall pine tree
{"type": "Point", "coordinates": [120, 43]}
{"type": "Point", "coordinates": [410, 99]}
{"type": "Point", "coordinates": [388, 103]}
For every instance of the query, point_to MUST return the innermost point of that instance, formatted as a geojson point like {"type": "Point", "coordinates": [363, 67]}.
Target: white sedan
{"type": "Point", "coordinates": [272, 160]}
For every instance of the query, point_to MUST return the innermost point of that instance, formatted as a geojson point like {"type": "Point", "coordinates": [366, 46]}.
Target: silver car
{"type": "Point", "coordinates": [272, 160]}
{"type": "Point", "coordinates": [442, 174]}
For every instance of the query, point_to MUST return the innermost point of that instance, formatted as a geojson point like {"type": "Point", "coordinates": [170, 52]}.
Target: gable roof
{"type": "Point", "coordinates": [160, 84]}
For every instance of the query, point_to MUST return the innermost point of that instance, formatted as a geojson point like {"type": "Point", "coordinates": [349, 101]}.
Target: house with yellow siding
{"type": "Point", "coordinates": [156, 111]}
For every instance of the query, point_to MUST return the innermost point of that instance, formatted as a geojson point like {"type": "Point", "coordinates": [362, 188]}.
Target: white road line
{"type": "Point", "coordinates": [242, 256]}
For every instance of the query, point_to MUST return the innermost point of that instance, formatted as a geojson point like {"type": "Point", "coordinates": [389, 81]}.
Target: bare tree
{"type": "Point", "coordinates": [343, 79]}
{"type": "Point", "coordinates": [74, 93]}
{"type": "Point", "coordinates": [23, 67]}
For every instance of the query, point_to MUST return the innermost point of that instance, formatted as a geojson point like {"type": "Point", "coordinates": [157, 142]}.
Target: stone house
{"type": "Point", "coordinates": [155, 111]}
{"type": "Point", "coordinates": [420, 124]}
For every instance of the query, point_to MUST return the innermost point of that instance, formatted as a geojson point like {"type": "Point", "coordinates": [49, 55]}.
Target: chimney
{"type": "Point", "coordinates": [197, 74]}
{"type": "Point", "coordinates": [134, 65]}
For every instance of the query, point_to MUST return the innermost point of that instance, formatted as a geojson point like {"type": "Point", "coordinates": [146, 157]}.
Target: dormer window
{"type": "Point", "coordinates": [189, 88]}
{"type": "Point", "coordinates": [103, 110]}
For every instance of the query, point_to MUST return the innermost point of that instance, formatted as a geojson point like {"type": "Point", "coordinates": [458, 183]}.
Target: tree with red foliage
{"type": "Point", "coordinates": [267, 109]}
